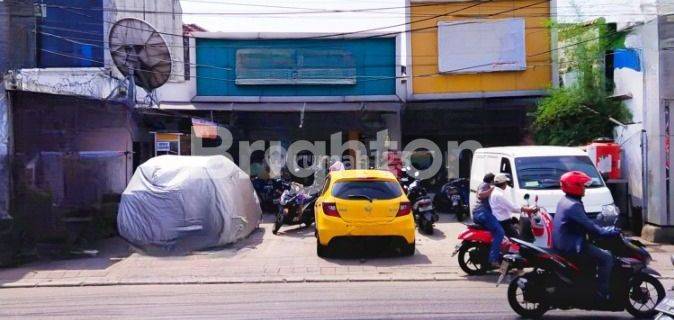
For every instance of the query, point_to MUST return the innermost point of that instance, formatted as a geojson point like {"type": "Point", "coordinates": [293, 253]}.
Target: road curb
{"type": "Point", "coordinates": [110, 282]}
{"type": "Point", "coordinates": [56, 284]}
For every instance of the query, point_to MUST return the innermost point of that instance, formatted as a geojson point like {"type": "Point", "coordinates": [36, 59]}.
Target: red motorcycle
{"type": "Point", "coordinates": [473, 249]}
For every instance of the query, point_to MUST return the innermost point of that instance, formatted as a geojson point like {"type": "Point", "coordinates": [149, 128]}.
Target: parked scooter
{"type": "Point", "coordinates": [269, 191]}
{"type": "Point", "coordinates": [296, 206]}
{"type": "Point", "coordinates": [406, 179]}
{"type": "Point", "coordinates": [422, 207]}
{"type": "Point", "coordinates": [473, 250]}
{"type": "Point", "coordinates": [557, 282]}
{"type": "Point", "coordinates": [453, 198]}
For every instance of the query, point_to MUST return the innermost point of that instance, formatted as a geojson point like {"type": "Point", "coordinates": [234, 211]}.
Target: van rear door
{"type": "Point", "coordinates": [477, 173]}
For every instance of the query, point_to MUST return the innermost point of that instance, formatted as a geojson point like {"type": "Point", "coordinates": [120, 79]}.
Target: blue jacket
{"type": "Point", "coordinates": [572, 225]}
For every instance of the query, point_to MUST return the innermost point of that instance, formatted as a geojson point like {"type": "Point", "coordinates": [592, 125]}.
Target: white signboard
{"type": "Point", "coordinates": [481, 46]}
{"type": "Point", "coordinates": [163, 146]}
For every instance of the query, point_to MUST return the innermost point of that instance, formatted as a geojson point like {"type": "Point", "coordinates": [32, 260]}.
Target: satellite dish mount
{"type": "Point", "coordinates": [141, 54]}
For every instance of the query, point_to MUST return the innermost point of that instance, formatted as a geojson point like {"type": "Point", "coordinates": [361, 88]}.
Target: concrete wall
{"type": "Point", "coordinates": [17, 50]}
{"type": "Point", "coordinates": [629, 82]}
{"type": "Point", "coordinates": [4, 142]}
{"type": "Point", "coordinates": [181, 91]}
{"type": "Point", "coordinates": [664, 127]}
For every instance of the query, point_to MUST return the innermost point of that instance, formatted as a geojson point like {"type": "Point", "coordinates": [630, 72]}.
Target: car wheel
{"type": "Point", "coordinates": [323, 251]}
{"type": "Point", "coordinates": [407, 249]}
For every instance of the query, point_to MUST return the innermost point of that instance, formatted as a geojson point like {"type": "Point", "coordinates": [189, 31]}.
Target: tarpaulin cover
{"type": "Point", "coordinates": [174, 205]}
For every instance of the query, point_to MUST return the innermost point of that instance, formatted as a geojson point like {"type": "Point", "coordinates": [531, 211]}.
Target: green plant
{"type": "Point", "coordinates": [578, 113]}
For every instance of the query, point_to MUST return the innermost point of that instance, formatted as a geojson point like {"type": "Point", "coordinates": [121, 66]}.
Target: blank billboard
{"type": "Point", "coordinates": [481, 46]}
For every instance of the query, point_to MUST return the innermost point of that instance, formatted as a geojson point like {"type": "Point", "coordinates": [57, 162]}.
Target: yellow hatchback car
{"type": "Point", "coordinates": [363, 204]}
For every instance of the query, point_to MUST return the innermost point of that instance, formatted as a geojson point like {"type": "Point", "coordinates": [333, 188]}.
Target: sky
{"type": "Point", "coordinates": [287, 16]}
{"type": "Point", "coordinates": [263, 15]}
{"type": "Point", "coordinates": [621, 11]}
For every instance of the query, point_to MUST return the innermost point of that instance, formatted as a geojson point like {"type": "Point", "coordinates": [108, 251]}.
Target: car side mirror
{"type": "Point", "coordinates": [527, 197]}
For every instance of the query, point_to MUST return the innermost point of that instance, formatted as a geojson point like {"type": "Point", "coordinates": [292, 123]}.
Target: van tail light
{"type": "Point", "coordinates": [330, 209]}
{"type": "Point", "coordinates": [405, 209]}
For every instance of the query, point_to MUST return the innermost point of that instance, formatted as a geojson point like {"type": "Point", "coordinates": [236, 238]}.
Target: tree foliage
{"type": "Point", "coordinates": [578, 112]}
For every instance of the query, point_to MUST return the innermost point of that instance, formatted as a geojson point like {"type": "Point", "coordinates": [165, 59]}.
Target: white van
{"type": "Point", "coordinates": [535, 170]}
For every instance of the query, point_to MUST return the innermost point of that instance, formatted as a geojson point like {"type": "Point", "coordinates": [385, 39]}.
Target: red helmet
{"type": "Point", "coordinates": [573, 183]}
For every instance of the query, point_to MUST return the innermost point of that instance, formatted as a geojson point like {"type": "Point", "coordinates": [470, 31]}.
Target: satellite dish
{"type": "Point", "coordinates": [141, 55]}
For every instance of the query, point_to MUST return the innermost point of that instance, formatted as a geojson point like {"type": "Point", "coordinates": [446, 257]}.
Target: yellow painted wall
{"type": "Point", "coordinates": [424, 46]}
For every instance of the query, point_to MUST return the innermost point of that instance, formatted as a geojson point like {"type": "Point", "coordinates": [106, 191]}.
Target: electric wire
{"type": "Point", "coordinates": [491, 4]}
{"type": "Point", "coordinates": [370, 30]}
{"type": "Point", "coordinates": [367, 30]}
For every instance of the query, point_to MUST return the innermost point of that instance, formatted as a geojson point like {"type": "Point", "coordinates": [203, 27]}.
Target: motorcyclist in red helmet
{"type": "Point", "coordinates": [571, 227]}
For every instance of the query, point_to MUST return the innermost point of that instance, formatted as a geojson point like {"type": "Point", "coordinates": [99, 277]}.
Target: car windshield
{"type": "Point", "coordinates": [544, 172]}
{"type": "Point", "coordinates": [366, 190]}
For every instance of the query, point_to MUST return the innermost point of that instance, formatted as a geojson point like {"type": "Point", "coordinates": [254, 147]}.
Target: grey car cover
{"type": "Point", "coordinates": [174, 205]}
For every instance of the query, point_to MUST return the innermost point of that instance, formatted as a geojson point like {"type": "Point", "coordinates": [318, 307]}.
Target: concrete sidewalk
{"type": "Point", "coordinates": [263, 258]}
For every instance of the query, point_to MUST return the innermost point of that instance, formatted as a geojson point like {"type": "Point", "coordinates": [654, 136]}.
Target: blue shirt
{"type": "Point", "coordinates": [572, 225]}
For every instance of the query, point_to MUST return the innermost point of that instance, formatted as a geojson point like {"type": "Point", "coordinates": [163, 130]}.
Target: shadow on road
{"type": "Point", "coordinates": [111, 251]}
{"type": "Point", "coordinates": [437, 235]}
{"type": "Point", "coordinates": [297, 231]}
{"type": "Point", "coordinates": [251, 242]}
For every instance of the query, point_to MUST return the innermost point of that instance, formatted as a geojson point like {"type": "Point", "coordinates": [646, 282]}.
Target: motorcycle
{"type": "Point", "coordinates": [473, 250]}
{"type": "Point", "coordinates": [296, 206]}
{"type": "Point", "coordinates": [269, 192]}
{"type": "Point", "coordinates": [422, 207]}
{"type": "Point", "coordinates": [406, 179]}
{"type": "Point", "coordinates": [558, 282]}
{"type": "Point", "coordinates": [453, 198]}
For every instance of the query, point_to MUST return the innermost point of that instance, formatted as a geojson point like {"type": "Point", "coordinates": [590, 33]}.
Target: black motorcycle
{"type": "Point", "coordinates": [269, 192]}
{"type": "Point", "coordinates": [422, 207]}
{"type": "Point", "coordinates": [296, 206]}
{"type": "Point", "coordinates": [557, 282]}
{"type": "Point", "coordinates": [453, 198]}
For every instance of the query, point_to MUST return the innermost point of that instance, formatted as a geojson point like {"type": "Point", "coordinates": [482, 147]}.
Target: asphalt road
{"type": "Point", "coordinates": [477, 299]}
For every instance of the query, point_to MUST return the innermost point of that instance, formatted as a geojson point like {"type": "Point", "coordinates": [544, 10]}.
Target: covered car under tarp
{"type": "Point", "coordinates": [174, 205]}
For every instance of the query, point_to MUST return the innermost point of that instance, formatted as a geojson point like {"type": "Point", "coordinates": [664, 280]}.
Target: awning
{"type": "Point", "coordinates": [392, 107]}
